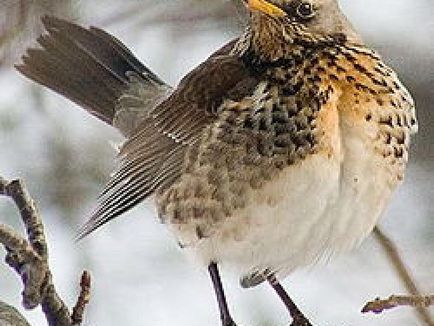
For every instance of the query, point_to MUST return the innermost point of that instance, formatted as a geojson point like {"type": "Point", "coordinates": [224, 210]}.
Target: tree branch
{"type": "Point", "coordinates": [83, 299]}
{"type": "Point", "coordinates": [404, 275]}
{"type": "Point", "coordinates": [378, 306]}
{"type": "Point", "coordinates": [29, 258]}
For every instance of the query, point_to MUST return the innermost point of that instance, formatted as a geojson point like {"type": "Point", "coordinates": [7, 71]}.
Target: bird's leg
{"type": "Point", "coordinates": [221, 299]}
{"type": "Point", "coordinates": [297, 316]}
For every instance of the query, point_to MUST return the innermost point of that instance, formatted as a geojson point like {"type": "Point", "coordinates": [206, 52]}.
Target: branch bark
{"type": "Point", "coordinates": [9, 316]}
{"type": "Point", "coordinates": [29, 258]}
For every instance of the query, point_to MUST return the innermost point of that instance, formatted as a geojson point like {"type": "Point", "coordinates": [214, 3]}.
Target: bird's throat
{"type": "Point", "coordinates": [269, 40]}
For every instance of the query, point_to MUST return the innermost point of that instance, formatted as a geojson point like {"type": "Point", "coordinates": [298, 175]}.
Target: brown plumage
{"type": "Point", "coordinates": [283, 147]}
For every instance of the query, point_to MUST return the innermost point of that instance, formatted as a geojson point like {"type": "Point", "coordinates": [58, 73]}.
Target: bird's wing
{"type": "Point", "coordinates": [143, 94]}
{"type": "Point", "coordinates": [199, 95]}
{"type": "Point", "coordinates": [152, 158]}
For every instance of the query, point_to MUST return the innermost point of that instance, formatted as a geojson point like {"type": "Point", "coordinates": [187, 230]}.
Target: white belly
{"type": "Point", "coordinates": [313, 209]}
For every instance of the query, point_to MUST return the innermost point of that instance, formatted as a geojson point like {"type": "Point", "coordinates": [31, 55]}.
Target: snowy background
{"type": "Point", "coordinates": [139, 275]}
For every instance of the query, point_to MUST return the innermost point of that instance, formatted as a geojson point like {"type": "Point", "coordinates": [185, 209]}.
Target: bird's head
{"type": "Point", "coordinates": [276, 26]}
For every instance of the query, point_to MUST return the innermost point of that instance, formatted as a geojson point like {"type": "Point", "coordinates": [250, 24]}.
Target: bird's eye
{"type": "Point", "coordinates": [305, 10]}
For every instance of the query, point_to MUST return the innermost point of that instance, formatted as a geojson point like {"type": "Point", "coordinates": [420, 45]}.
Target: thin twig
{"type": "Point", "coordinates": [83, 299]}
{"type": "Point", "coordinates": [403, 272]}
{"type": "Point", "coordinates": [378, 306]}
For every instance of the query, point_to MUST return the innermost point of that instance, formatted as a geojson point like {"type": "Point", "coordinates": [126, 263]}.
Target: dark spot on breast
{"type": "Point", "coordinates": [263, 124]}
{"type": "Point", "coordinates": [401, 138]}
{"type": "Point", "coordinates": [176, 214]}
{"type": "Point", "coordinates": [298, 59]}
{"type": "Point", "coordinates": [299, 140]}
{"type": "Point", "coordinates": [360, 68]}
{"type": "Point", "coordinates": [368, 117]}
{"type": "Point", "coordinates": [333, 77]}
{"type": "Point", "coordinates": [291, 90]}
{"type": "Point", "coordinates": [388, 121]}
{"type": "Point", "coordinates": [399, 152]}
{"type": "Point", "coordinates": [400, 120]}
{"type": "Point", "coordinates": [332, 62]}
{"type": "Point", "coordinates": [388, 139]}
{"type": "Point", "coordinates": [351, 79]}
{"type": "Point", "coordinates": [340, 38]}
{"type": "Point", "coordinates": [361, 87]}
{"type": "Point", "coordinates": [279, 117]}
{"type": "Point", "coordinates": [349, 56]}
{"type": "Point", "coordinates": [282, 141]}
{"type": "Point", "coordinates": [285, 128]}
{"type": "Point", "coordinates": [199, 232]}
{"type": "Point", "coordinates": [394, 104]}
{"type": "Point", "coordinates": [315, 79]}
{"type": "Point", "coordinates": [381, 72]}
{"type": "Point", "coordinates": [248, 123]}
{"type": "Point", "coordinates": [311, 140]}
{"type": "Point", "coordinates": [377, 82]}
{"type": "Point", "coordinates": [340, 70]}
{"type": "Point", "coordinates": [372, 91]}
{"type": "Point", "coordinates": [314, 61]}
{"type": "Point", "coordinates": [321, 70]}
{"type": "Point", "coordinates": [265, 147]}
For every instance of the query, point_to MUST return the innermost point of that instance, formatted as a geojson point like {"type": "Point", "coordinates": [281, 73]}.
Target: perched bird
{"type": "Point", "coordinates": [282, 148]}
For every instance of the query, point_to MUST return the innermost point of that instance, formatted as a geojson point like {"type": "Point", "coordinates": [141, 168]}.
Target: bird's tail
{"type": "Point", "coordinates": [88, 66]}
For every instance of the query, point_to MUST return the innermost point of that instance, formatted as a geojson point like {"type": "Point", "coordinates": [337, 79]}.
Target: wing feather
{"type": "Point", "coordinates": [152, 158]}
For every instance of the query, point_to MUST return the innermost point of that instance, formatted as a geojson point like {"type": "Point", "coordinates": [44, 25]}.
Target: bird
{"type": "Point", "coordinates": [281, 149]}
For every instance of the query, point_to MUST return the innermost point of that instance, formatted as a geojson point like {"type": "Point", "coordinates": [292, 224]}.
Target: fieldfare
{"type": "Point", "coordinates": [282, 148]}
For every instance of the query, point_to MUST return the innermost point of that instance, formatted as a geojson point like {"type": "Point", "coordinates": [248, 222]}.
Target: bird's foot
{"type": "Point", "coordinates": [300, 321]}
{"type": "Point", "coordinates": [298, 318]}
{"type": "Point", "coordinates": [228, 322]}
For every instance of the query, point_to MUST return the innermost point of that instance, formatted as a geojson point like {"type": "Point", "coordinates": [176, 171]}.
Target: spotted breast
{"type": "Point", "coordinates": [299, 169]}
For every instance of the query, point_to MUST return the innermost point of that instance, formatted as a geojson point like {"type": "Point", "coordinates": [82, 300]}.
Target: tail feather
{"type": "Point", "coordinates": [88, 66]}
{"type": "Point", "coordinates": [126, 54]}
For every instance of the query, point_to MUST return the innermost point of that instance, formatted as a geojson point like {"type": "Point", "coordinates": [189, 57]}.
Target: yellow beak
{"type": "Point", "coordinates": [265, 7]}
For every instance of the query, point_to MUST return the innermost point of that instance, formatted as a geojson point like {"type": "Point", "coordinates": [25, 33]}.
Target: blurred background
{"type": "Point", "coordinates": [139, 276]}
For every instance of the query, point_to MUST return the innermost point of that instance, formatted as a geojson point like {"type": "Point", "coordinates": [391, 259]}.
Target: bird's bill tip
{"type": "Point", "coordinates": [265, 7]}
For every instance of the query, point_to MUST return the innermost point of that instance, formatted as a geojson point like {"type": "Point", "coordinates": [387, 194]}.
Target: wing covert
{"type": "Point", "coordinates": [152, 158]}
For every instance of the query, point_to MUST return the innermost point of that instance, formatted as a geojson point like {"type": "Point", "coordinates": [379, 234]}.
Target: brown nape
{"type": "Point", "coordinates": [330, 20]}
